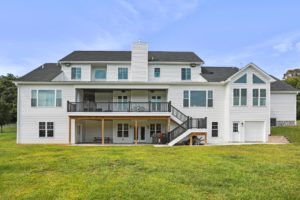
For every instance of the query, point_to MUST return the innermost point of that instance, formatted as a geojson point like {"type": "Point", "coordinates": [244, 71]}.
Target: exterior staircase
{"type": "Point", "coordinates": [185, 128]}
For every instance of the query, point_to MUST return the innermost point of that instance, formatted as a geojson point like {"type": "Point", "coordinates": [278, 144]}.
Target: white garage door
{"type": "Point", "coordinates": [254, 131]}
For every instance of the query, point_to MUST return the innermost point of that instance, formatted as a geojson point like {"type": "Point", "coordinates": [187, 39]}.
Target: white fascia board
{"type": "Point", "coordinates": [116, 83]}
{"type": "Point", "coordinates": [285, 92]}
{"type": "Point", "coordinates": [128, 62]}
{"type": "Point", "coordinates": [255, 67]}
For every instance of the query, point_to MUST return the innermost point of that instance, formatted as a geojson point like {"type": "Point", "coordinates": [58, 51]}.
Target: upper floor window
{"type": "Point", "coordinates": [185, 73]}
{"type": "Point", "coordinates": [197, 98]}
{"type": "Point", "coordinates": [156, 72]}
{"type": "Point", "coordinates": [239, 97]}
{"type": "Point", "coordinates": [75, 73]}
{"type": "Point", "coordinates": [259, 97]}
{"type": "Point", "coordinates": [46, 98]}
{"type": "Point", "coordinates": [242, 79]}
{"type": "Point", "coordinates": [257, 80]}
{"type": "Point", "coordinates": [100, 74]}
{"type": "Point", "coordinates": [122, 73]}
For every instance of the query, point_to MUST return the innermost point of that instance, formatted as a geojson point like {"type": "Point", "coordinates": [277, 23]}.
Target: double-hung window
{"type": "Point", "coordinates": [214, 129]}
{"type": "Point", "coordinates": [100, 74]}
{"type": "Point", "coordinates": [75, 73]}
{"type": "Point", "coordinates": [122, 73]}
{"type": "Point", "coordinates": [210, 100]}
{"type": "Point", "coordinates": [156, 72]}
{"type": "Point", "coordinates": [46, 129]}
{"type": "Point", "coordinates": [239, 97]}
{"type": "Point", "coordinates": [185, 73]}
{"type": "Point", "coordinates": [235, 127]}
{"type": "Point", "coordinates": [259, 97]}
{"type": "Point", "coordinates": [46, 98]}
{"type": "Point", "coordinates": [186, 98]}
{"type": "Point", "coordinates": [123, 130]}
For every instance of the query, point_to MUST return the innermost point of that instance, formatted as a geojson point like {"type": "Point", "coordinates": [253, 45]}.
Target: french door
{"type": "Point", "coordinates": [142, 134]}
{"type": "Point", "coordinates": [156, 103]}
{"type": "Point", "coordinates": [122, 103]}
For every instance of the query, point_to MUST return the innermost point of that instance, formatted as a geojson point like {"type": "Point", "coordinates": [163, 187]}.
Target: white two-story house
{"type": "Point", "coordinates": [141, 96]}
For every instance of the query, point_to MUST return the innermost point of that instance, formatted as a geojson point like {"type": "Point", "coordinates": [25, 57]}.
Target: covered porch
{"type": "Point", "coordinates": [107, 130]}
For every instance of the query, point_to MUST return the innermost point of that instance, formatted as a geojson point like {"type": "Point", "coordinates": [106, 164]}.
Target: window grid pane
{"type": "Point", "coordinates": [46, 98]}
{"type": "Point", "coordinates": [33, 98]}
{"type": "Point", "coordinates": [157, 72]}
{"type": "Point", "coordinates": [100, 74]}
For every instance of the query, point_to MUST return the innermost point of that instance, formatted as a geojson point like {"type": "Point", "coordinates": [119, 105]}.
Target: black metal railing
{"type": "Point", "coordinates": [178, 114]}
{"type": "Point", "coordinates": [118, 106]}
{"type": "Point", "coordinates": [190, 123]}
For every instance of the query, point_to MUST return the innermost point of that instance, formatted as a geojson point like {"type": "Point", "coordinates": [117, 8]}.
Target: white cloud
{"type": "Point", "coordinates": [297, 46]}
{"type": "Point", "coordinates": [283, 46]}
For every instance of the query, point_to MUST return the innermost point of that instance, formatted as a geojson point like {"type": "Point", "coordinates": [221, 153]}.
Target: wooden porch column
{"type": "Point", "coordinates": [135, 131]}
{"type": "Point", "coordinates": [102, 131]}
{"type": "Point", "coordinates": [69, 130]}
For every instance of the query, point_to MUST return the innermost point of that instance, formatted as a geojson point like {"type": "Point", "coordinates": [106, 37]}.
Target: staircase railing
{"type": "Point", "coordinates": [190, 123]}
{"type": "Point", "coordinates": [178, 114]}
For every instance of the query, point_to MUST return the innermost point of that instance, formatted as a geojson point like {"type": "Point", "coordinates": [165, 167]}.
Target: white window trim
{"type": "Point", "coordinates": [212, 129]}
{"type": "Point", "coordinates": [127, 74]}
{"type": "Point", "coordinates": [37, 99]}
{"type": "Point", "coordinates": [46, 129]}
{"type": "Point", "coordinates": [240, 97]}
{"type": "Point", "coordinates": [75, 79]}
{"type": "Point", "coordinates": [100, 79]}
{"type": "Point", "coordinates": [206, 91]}
{"type": "Point", "coordinates": [123, 129]}
{"type": "Point", "coordinates": [159, 72]}
{"type": "Point", "coordinates": [259, 97]}
{"type": "Point", "coordinates": [181, 74]}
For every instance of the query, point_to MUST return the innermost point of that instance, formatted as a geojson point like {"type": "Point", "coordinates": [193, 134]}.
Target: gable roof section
{"type": "Point", "coordinates": [153, 56]}
{"type": "Point", "coordinates": [44, 73]}
{"type": "Point", "coordinates": [256, 68]}
{"type": "Point", "coordinates": [218, 74]}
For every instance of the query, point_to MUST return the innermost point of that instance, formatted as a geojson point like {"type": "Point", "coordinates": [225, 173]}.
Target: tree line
{"type": "Point", "coordinates": [295, 82]}
{"type": "Point", "coordinates": [8, 100]}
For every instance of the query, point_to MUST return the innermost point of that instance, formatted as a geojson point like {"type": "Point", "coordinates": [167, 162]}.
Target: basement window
{"type": "Point", "coordinates": [46, 129]}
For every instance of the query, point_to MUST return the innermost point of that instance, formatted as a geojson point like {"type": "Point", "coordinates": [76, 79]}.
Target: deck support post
{"type": "Point", "coordinates": [169, 125]}
{"type": "Point", "coordinates": [102, 131]}
{"type": "Point", "coordinates": [69, 130]}
{"type": "Point", "coordinates": [135, 132]}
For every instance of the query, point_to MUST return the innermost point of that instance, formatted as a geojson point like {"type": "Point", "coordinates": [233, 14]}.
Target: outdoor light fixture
{"type": "Point", "coordinates": [68, 64]}
{"type": "Point", "coordinates": [193, 64]}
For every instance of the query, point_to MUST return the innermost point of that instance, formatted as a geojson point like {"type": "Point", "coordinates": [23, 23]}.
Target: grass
{"type": "Point", "coordinates": [203, 172]}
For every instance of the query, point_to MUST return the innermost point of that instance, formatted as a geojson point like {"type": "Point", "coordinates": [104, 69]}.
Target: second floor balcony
{"type": "Point", "coordinates": [119, 106]}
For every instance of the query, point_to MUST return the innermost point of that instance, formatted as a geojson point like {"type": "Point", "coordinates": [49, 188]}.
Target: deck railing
{"type": "Point", "coordinates": [119, 106]}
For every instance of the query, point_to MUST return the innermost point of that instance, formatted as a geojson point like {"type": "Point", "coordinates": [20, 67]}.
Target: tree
{"type": "Point", "coordinates": [295, 82]}
{"type": "Point", "coordinates": [8, 100]}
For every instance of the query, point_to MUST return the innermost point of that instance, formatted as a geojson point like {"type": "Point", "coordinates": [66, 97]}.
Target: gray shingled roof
{"type": "Point", "coordinates": [48, 71]}
{"type": "Point", "coordinates": [218, 74]}
{"type": "Point", "coordinates": [279, 85]}
{"type": "Point", "coordinates": [153, 56]}
{"type": "Point", "coordinates": [44, 73]}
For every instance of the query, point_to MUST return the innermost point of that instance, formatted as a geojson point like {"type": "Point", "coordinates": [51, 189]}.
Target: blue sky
{"type": "Point", "coordinates": [222, 33]}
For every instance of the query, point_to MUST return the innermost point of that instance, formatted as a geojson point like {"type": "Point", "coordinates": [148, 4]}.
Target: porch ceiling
{"type": "Point", "coordinates": [120, 117]}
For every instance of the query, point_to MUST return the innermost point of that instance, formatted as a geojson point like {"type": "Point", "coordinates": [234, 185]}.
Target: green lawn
{"type": "Point", "coordinates": [203, 172]}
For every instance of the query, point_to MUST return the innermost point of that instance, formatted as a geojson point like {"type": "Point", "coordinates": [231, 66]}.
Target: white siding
{"type": "Point", "coordinates": [85, 72]}
{"type": "Point", "coordinates": [213, 114]}
{"type": "Point", "coordinates": [242, 114]}
{"type": "Point", "coordinates": [172, 73]}
{"type": "Point", "coordinates": [283, 107]}
{"type": "Point", "coordinates": [31, 116]}
{"type": "Point", "coordinates": [112, 72]}
{"type": "Point", "coordinates": [139, 62]}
